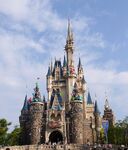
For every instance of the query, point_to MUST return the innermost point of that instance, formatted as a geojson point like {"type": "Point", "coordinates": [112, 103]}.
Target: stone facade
{"type": "Point", "coordinates": [68, 115]}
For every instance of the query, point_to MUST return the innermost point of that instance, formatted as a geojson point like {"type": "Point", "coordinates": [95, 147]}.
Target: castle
{"type": "Point", "coordinates": [68, 115]}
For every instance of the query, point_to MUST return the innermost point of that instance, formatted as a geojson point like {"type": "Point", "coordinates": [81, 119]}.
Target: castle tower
{"type": "Point", "coordinates": [71, 75]}
{"type": "Point", "coordinates": [80, 70]}
{"type": "Point", "coordinates": [108, 113]}
{"type": "Point", "coordinates": [69, 47]}
{"type": "Point", "coordinates": [36, 117]}
{"type": "Point", "coordinates": [89, 107]}
{"type": "Point", "coordinates": [76, 118]}
{"type": "Point", "coordinates": [97, 121]}
{"type": "Point", "coordinates": [23, 122]}
{"type": "Point", "coordinates": [64, 67]}
{"type": "Point", "coordinates": [80, 79]}
{"type": "Point", "coordinates": [49, 81]}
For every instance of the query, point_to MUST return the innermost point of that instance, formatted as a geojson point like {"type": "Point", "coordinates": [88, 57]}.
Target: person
{"type": "Point", "coordinates": [88, 143]}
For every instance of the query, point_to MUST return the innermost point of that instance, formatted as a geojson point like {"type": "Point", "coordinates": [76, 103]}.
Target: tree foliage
{"type": "Point", "coordinates": [6, 138]}
{"type": "Point", "coordinates": [13, 138]}
{"type": "Point", "coordinates": [3, 131]}
{"type": "Point", "coordinates": [118, 134]}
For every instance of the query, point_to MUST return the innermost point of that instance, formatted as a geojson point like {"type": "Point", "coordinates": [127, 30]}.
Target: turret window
{"type": "Point", "coordinates": [52, 116]}
{"type": "Point", "coordinates": [58, 118]}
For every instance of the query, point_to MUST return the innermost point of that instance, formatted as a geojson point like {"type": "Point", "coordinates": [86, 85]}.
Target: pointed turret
{"type": "Point", "coordinates": [51, 67]}
{"type": "Point", "coordinates": [96, 109]}
{"type": "Point", "coordinates": [89, 99]}
{"type": "Point", "coordinates": [25, 106]}
{"type": "Point", "coordinates": [49, 71]}
{"type": "Point", "coordinates": [97, 121]}
{"type": "Point", "coordinates": [83, 80]}
{"type": "Point", "coordinates": [79, 64]}
{"type": "Point", "coordinates": [106, 106]}
{"type": "Point", "coordinates": [69, 48]}
{"type": "Point", "coordinates": [36, 115]}
{"type": "Point", "coordinates": [64, 67]}
{"type": "Point", "coordinates": [64, 62]}
{"type": "Point", "coordinates": [80, 69]}
{"type": "Point", "coordinates": [36, 94]}
{"type": "Point", "coordinates": [56, 99]}
{"type": "Point", "coordinates": [108, 113]}
{"type": "Point", "coordinates": [69, 33]}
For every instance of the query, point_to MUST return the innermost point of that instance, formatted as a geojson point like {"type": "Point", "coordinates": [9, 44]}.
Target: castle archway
{"type": "Point", "coordinates": [56, 137]}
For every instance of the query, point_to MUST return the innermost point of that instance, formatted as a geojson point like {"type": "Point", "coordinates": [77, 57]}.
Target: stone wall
{"type": "Point", "coordinates": [76, 123]}
{"type": "Point", "coordinates": [89, 133]}
{"type": "Point", "coordinates": [62, 147]}
{"type": "Point", "coordinates": [36, 115]}
{"type": "Point", "coordinates": [45, 147]}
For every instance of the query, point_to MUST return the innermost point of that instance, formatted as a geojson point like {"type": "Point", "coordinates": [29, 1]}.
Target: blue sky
{"type": "Point", "coordinates": [32, 32]}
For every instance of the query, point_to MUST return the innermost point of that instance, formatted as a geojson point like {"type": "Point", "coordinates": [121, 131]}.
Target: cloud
{"type": "Point", "coordinates": [31, 33]}
{"type": "Point", "coordinates": [114, 83]}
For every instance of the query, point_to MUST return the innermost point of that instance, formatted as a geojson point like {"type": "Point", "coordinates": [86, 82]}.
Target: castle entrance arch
{"type": "Point", "coordinates": [56, 137]}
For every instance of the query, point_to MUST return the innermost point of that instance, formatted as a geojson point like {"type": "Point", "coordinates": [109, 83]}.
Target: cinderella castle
{"type": "Point", "coordinates": [68, 114]}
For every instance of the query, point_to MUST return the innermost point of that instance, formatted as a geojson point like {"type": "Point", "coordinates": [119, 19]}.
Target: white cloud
{"type": "Point", "coordinates": [32, 33]}
{"type": "Point", "coordinates": [17, 9]}
{"type": "Point", "coordinates": [112, 82]}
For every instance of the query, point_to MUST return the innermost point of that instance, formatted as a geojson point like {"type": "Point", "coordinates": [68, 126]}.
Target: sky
{"type": "Point", "coordinates": [32, 32]}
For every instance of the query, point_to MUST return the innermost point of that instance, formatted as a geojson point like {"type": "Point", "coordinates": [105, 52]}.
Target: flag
{"type": "Point", "coordinates": [105, 125]}
{"type": "Point", "coordinates": [29, 100]}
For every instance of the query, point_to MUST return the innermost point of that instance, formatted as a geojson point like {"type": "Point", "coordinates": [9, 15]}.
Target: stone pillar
{"type": "Point", "coordinates": [76, 119]}
{"type": "Point", "coordinates": [36, 114]}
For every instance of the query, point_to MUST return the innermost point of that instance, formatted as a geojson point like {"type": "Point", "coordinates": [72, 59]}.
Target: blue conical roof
{"type": "Point", "coordinates": [89, 99]}
{"type": "Point", "coordinates": [25, 106]}
{"type": "Point", "coordinates": [96, 110]}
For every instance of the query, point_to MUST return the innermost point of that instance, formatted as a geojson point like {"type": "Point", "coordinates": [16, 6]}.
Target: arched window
{"type": "Point", "coordinates": [52, 116]}
{"type": "Point", "coordinates": [58, 118]}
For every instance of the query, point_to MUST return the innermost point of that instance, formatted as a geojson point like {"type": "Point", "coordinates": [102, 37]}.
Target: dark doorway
{"type": "Point", "coordinates": [56, 137]}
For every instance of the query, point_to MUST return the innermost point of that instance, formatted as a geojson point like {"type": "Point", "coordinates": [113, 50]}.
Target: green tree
{"type": "Point", "coordinates": [118, 134]}
{"type": "Point", "coordinates": [3, 131]}
{"type": "Point", "coordinates": [13, 138]}
{"type": "Point", "coordinates": [102, 136]}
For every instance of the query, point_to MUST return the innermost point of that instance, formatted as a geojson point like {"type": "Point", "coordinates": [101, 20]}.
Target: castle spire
{"type": "Point", "coordinates": [79, 64]}
{"type": "Point", "coordinates": [49, 71]}
{"type": "Point", "coordinates": [80, 69]}
{"type": "Point", "coordinates": [96, 109]}
{"type": "Point", "coordinates": [89, 99]}
{"type": "Point", "coordinates": [51, 66]}
{"type": "Point", "coordinates": [36, 94]}
{"type": "Point", "coordinates": [64, 62]}
{"type": "Point", "coordinates": [106, 106]}
{"type": "Point", "coordinates": [69, 48]}
{"type": "Point", "coordinates": [69, 33]}
{"type": "Point", "coordinates": [25, 106]}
